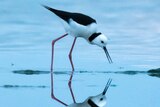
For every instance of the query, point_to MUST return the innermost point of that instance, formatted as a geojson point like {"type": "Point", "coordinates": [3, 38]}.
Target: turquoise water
{"type": "Point", "coordinates": [27, 30]}
{"type": "Point", "coordinates": [134, 88]}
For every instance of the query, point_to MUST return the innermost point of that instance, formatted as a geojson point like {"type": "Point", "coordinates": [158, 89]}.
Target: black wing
{"type": "Point", "coordinates": [78, 17]}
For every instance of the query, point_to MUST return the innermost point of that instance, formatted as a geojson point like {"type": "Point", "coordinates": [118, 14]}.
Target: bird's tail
{"type": "Point", "coordinates": [60, 13]}
{"type": "Point", "coordinates": [51, 9]}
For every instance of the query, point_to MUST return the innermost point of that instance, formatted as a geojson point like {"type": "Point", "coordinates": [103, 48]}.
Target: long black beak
{"type": "Point", "coordinates": [107, 86]}
{"type": "Point", "coordinates": [107, 54]}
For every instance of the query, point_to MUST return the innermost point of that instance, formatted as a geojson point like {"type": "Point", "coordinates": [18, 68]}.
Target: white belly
{"type": "Point", "coordinates": [77, 30]}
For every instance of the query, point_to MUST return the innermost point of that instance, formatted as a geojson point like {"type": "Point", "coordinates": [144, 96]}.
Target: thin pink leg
{"type": "Point", "coordinates": [70, 80]}
{"type": "Point", "coordinates": [52, 87]}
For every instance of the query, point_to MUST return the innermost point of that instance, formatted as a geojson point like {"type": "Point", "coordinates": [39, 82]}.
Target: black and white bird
{"type": "Point", "coordinates": [78, 25]}
{"type": "Point", "coordinates": [99, 100]}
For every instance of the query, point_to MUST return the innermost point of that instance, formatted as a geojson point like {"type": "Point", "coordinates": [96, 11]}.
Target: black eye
{"type": "Point", "coordinates": [101, 99]}
{"type": "Point", "coordinates": [102, 42]}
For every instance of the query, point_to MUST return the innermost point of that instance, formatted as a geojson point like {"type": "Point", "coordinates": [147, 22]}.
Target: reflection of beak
{"type": "Point", "coordinates": [107, 86]}
{"type": "Point", "coordinates": [107, 54]}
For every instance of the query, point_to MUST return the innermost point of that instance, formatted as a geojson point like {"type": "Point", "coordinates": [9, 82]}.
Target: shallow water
{"type": "Point", "coordinates": [127, 89]}
{"type": "Point", "coordinates": [27, 30]}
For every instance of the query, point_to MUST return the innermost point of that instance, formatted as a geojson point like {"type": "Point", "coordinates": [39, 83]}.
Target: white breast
{"type": "Point", "coordinates": [77, 30]}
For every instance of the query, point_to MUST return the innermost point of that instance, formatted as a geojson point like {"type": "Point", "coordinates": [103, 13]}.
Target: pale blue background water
{"type": "Point", "coordinates": [26, 32]}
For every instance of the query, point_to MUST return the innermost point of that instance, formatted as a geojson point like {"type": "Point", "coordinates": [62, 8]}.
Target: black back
{"type": "Point", "coordinates": [78, 17]}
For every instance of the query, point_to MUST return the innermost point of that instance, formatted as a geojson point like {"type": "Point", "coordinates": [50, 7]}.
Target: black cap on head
{"type": "Point", "coordinates": [93, 36]}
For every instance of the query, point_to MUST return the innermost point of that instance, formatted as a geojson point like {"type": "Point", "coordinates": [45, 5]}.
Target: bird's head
{"type": "Point", "coordinates": [99, 100]}
{"type": "Point", "coordinates": [100, 40]}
